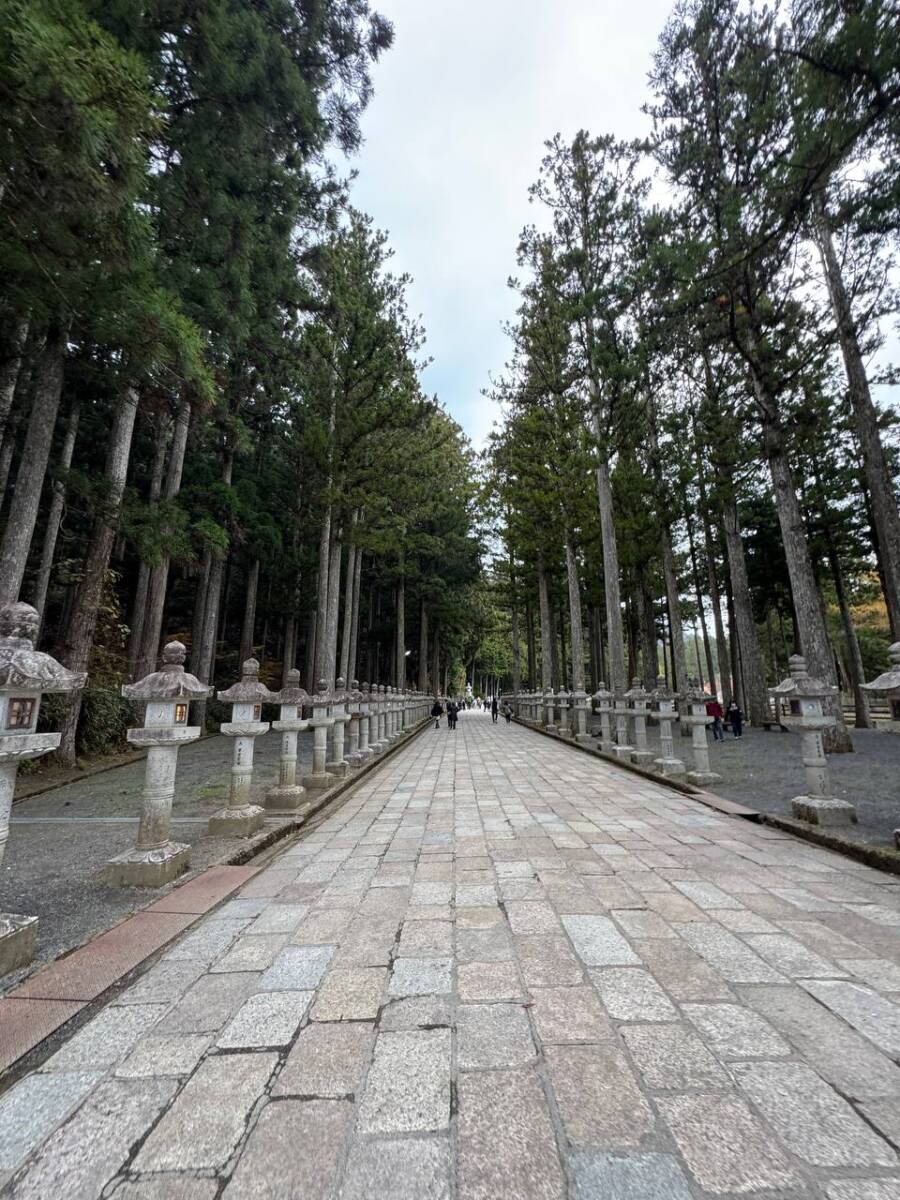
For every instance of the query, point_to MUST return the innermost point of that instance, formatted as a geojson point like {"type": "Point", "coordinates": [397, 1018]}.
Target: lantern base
{"type": "Point", "coordinates": [669, 766]}
{"type": "Point", "coordinates": [318, 782]}
{"type": "Point", "coordinates": [236, 822]}
{"type": "Point", "coordinates": [623, 751]}
{"type": "Point", "coordinates": [18, 941]}
{"type": "Point", "coordinates": [338, 768]}
{"type": "Point", "coordinates": [584, 739]}
{"type": "Point", "coordinates": [147, 868]}
{"type": "Point", "coordinates": [823, 810]}
{"type": "Point", "coordinates": [702, 778]}
{"type": "Point", "coordinates": [642, 758]}
{"type": "Point", "coordinates": [288, 799]}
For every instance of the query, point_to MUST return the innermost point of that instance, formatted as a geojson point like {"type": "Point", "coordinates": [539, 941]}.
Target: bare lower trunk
{"type": "Point", "coordinates": [616, 656]}
{"type": "Point", "coordinates": [54, 516]}
{"type": "Point", "coordinates": [26, 499]}
{"type": "Point", "coordinates": [714, 593]}
{"type": "Point", "coordinates": [401, 634]}
{"type": "Point", "coordinates": [698, 591]}
{"type": "Point", "coordinates": [354, 622]}
{"type": "Point", "coordinates": [673, 604]}
{"type": "Point", "coordinates": [311, 680]}
{"type": "Point", "coordinates": [151, 633]}
{"type": "Point", "coordinates": [547, 680]}
{"type": "Point", "coordinates": [557, 668]}
{"type": "Point", "coordinates": [348, 613]}
{"type": "Point", "coordinates": [79, 639]}
{"type": "Point", "coordinates": [332, 608]}
{"type": "Point", "coordinates": [644, 606]}
{"type": "Point", "coordinates": [9, 370]}
{"type": "Point", "coordinates": [806, 597]}
{"type": "Point", "coordinates": [865, 417]}
{"type": "Point", "coordinates": [756, 696]}
{"type": "Point", "coordinates": [532, 659]}
{"type": "Point", "coordinates": [139, 604]}
{"type": "Point", "coordinates": [206, 668]}
{"type": "Point", "coordinates": [321, 671]}
{"type": "Point", "coordinates": [436, 661]}
{"type": "Point", "coordinates": [574, 620]}
{"type": "Point", "coordinates": [289, 650]}
{"type": "Point", "coordinates": [249, 623]}
{"type": "Point", "coordinates": [423, 645]}
{"type": "Point", "coordinates": [516, 651]}
{"type": "Point", "coordinates": [855, 667]}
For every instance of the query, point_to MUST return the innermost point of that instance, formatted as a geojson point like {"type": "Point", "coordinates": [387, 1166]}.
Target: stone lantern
{"type": "Point", "coordinates": [580, 717]}
{"type": "Point", "coordinates": [805, 696]}
{"type": "Point", "coordinates": [288, 794]}
{"type": "Point", "coordinates": [354, 709]}
{"type": "Point", "coordinates": [240, 818]}
{"type": "Point", "coordinates": [604, 699]}
{"type": "Point", "coordinates": [321, 722]}
{"type": "Point", "coordinates": [638, 697]}
{"type": "Point", "coordinates": [338, 764]}
{"type": "Point", "coordinates": [696, 719]}
{"type": "Point", "coordinates": [622, 747]}
{"type": "Point", "coordinates": [888, 685]}
{"type": "Point", "coordinates": [167, 693]}
{"type": "Point", "coordinates": [562, 705]}
{"type": "Point", "coordinates": [365, 724]}
{"type": "Point", "coordinates": [547, 709]}
{"type": "Point", "coordinates": [25, 675]}
{"type": "Point", "coordinates": [666, 713]}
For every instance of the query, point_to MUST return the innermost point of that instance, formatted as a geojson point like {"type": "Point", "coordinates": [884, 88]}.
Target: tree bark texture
{"type": "Point", "coordinates": [756, 696]}
{"type": "Point", "coordinates": [248, 625]}
{"type": "Point", "coordinates": [574, 622]}
{"type": "Point", "coordinates": [547, 680]}
{"type": "Point", "coordinates": [673, 604]}
{"type": "Point", "coordinates": [54, 516]}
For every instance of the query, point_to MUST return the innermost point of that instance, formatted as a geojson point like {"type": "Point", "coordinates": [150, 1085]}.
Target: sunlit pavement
{"type": "Point", "coordinates": [502, 969]}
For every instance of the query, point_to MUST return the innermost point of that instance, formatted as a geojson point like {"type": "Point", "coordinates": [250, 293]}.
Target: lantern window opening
{"type": "Point", "coordinates": [20, 713]}
{"type": "Point", "coordinates": [181, 714]}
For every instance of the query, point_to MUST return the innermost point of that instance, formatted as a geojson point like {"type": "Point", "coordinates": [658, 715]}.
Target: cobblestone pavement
{"type": "Point", "coordinates": [502, 970]}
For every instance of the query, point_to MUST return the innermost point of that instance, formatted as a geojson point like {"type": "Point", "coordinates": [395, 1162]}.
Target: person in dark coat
{"type": "Point", "coordinates": [714, 710]}
{"type": "Point", "coordinates": [735, 719]}
{"type": "Point", "coordinates": [437, 711]}
{"type": "Point", "coordinates": [495, 709]}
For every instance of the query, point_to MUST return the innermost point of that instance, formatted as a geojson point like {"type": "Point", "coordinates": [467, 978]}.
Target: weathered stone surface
{"type": "Point", "coordinates": [792, 958]}
{"type": "Point", "coordinates": [106, 1039]}
{"type": "Point", "coordinates": [166, 1187]}
{"type": "Point", "coordinates": [531, 916]}
{"type": "Point", "coordinates": [82, 1156]}
{"type": "Point", "coordinates": [484, 945]}
{"type": "Point", "coordinates": [734, 1032]}
{"type": "Point", "coordinates": [208, 1119]}
{"type": "Point", "coordinates": [879, 973]}
{"type": "Point", "coordinates": [684, 974]}
{"type": "Point", "coordinates": [875, 1018]}
{"type": "Point", "coordinates": [731, 957]}
{"type": "Point", "coordinates": [642, 924]}
{"type": "Point", "coordinates": [706, 895]}
{"type": "Point", "coordinates": [162, 1054]}
{"type": "Point", "coordinates": [250, 953]}
{"type": "Point", "coordinates": [812, 1120]}
{"type": "Point", "coordinates": [210, 1003]}
{"type": "Point", "coordinates": [419, 939]}
{"type": "Point", "coordinates": [34, 1107]}
{"type": "Point", "coordinates": [569, 1014]}
{"type": "Point", "coordinates": [598, 942]}
{"type": "Point", "coordinates": [492, 1035]}
{"type": "Point", "coordinates": [725, 1146]}
{"type": "Point", "coordinates": [408, 1085]}
{"type": "Point", "coordinates": [863, 1189]}
{"type": "Point", "coordinates": [600, 1176]}
{"type": "Point", "coordinates": [296, 969]}
{"type": "Point", "coordinates": [280, 918]}
{"type": "Point", "coordinates": [266, 1019]}
{"type": "Point", "coordinates": [670, 1057]}
{"type": "Point", "coordinates": [413, 1012]}
{"type": "Point", "coordinates": [598, 1096]}
{"type": "Point", "coordinates": [420, 976]}
{"type": "Point", "coordinates": [208, 941]}
{"type": "Point", "coordinates": [326, 1060]}
{"type": "Point", "coordinates": [270, 1167]}
{"type": "Point", "coordinates": [350, 994]}
{"type": "Point", "coordinates": [506, 1141]}
{"type": "Point", "coordinates": [164, 983]}
{"type": "Point", "coordinates": [398, 1169]}
{"type": "Point", "coordinates": [630, 994]}
{"type": "Point", "coordinates": [488, 981]}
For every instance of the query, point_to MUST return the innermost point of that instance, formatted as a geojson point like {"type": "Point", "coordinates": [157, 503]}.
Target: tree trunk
{"type": "Point", "coordinates": [556, 670]}
{"type": "Point", "coordinates": [9, 371]}
{"type": "Point", "coordinates": [865, 417]}
{"type": "Point", "coordinates": [673, 603]}
{"type": "Point", "coordinates": [151, 633]}
{"type": "Point", "coordinates": [79, 638]}
{"type": "Point", "coordinates": [547, 639]}
{"type": "Point", "coordinates": [807, 600]}
{"type": "Point", "coordinates": [423, 645]}
{"type": "Point", "coordinates": [348, 613]}
{"type": "Point", "coordinates": [32, 467]}
{"type": "Point", "coordinates": [710, 666]}
{"type": "Point", "coordinates": [321, 670]}
{"type": "Point", "coordinates": [332, 609]}
{"type": "Point", "coordinates": [435, 661]}
{"type": "Point", "coordinates": [54, 516]}
{"type": "Point", "coordinates": [139, 603]}
{"type": "Point", "coordinates": [354, 626]}
{"type": "Point", "coordinates": [616, 642]}
{"type": "Point", "coordinates": [311, 679]}
{"type": "Point", "coordinates": [714, 592]}
{"type": "Point", "coordinates": [401, 634]}
{"type": "Point", "coordinates": [206, 669]}
{"type": "Point", "coordinates": [647, 631]}
{"type": "Point", "coordinates": [855, 667]}
{"type": "Point", "coordinates": [756, 696]}
{"type": "Point", "coordinates": [249, 624]}
{"type": "Point", "coordinates": [574, 620]}
{"type": "Point", "coordinates": [532, 659]}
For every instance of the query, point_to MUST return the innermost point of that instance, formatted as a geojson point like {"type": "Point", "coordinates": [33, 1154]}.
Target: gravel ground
{"type": "Point", "coordinates": [60, 840]}
{"type": "Point", "coordinates": [765, 771]}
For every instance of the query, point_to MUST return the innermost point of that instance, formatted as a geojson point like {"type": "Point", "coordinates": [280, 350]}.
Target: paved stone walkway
{"type": "Point", "coordinates": [502, 970]}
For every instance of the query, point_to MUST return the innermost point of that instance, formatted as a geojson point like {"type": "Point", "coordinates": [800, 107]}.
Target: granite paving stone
{"type": "Point", "coordinates": [168, 1186]}
{"type": "Point", "coordinates": [327, 1060]}
{"type": "Point", "coordinates": [598, 942]}
{"type": "Point", "coordinates": [266, 1019]}
{"type": "Point", "coordinates": [631, 994]}
{"type": "Point", "coordinates": [210, 1003]}
{"type": "Point", "coordinates": [408, 1084]}
{"type": "Point", "coordinates": [420, 976]}
{"type": "Point", "coordinates": [733, 1032]}
{"type": "Point", "coordinates": [350, 994]}
{"type": "Point", "coordinates": [165, 1054]}
{"type": "Point", "coordinates": [875, 1017]}
{"type": "Point", "coordinates": [296, 968]}
{"type": "Point", "coordinates": [598, 1097]}
{"type": "Point", "coordinates": [672, 1058]}
{"type": "Point", "coordinates": [600, 1176]}
{"type": "Point", "coordinates": [106, 1038]}
{"type": "Point", "coordinates": [270, 1167]}
{"type": "Point", "coordinates": [493, 1035]}
{"type": "Point", "coordinates": [488, 981]}
{"type": "Point", "coordinates": [398, 1168]}
{"type": "Point", "coordinates": [569, 1014]}
{"type": "Point", "coordinates": [34, 1107]}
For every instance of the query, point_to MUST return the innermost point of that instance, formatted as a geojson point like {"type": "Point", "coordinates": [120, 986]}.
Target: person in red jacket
{"type": "Point", "coordinates": [714, 710]}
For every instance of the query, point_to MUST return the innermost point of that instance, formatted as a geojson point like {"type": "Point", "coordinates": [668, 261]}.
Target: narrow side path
{"type": "Point", "coordinates": [502, 970]}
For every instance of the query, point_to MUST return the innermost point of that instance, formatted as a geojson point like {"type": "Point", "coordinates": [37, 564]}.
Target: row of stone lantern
{"type": "Point", "coordinates": [623, 723]}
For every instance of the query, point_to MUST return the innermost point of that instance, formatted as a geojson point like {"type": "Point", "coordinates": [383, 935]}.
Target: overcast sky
{"type": "Point", "coordinates": [464, 101]}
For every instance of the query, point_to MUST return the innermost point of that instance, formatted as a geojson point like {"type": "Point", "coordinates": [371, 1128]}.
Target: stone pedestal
{"type": "Point", "coordinates": [319, 779]}
{"type": "Point", "coordinates": [288, 797]}
{"type": "Point", "coordinates": [564, 709]}
{"type": "Point", "coordinates": [240, 817]}
{"type": "Point", "coordinates": [697, 719]}
{"type": "Point", "coordinates": [638, 698]}
{"type": "Point", "coordinates": [338, 765]}
{"type": "Point", "coordinates": [603, 698]}
{"type": "Point", "coordinates": [805, 696]}
{"type": "Point", "coordinates": [622, 747]}
{"type": "Point", "coordinates": [580, 718]}
{"type": "Point", "coordinates": [26, 675]}
{"type": "Point", "coordinates": [365, 725]}
{"type": "Point", "coordinates": [667, 763]}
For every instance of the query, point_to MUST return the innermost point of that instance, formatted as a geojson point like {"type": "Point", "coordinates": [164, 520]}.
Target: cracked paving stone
{"type": "Point", "coordinates": [875, 1018]}
{"type": "Point", "coordinates": [731, 957]}
{"type": "Point", "coordinates": [413, 1012]}
{"type": "Point", "coordinates": [34, 1107]}
{"type": "Point", "coordinates": [408, 1084]}
{"type": "Point", "coordinates": [350, 994]}
{"type": "Point", "coordinates": [421, 938]}
{"type": "Point", "coordinates": [266, 1019]}
{"type": "Point", "coordinates": [863, 1189]}
{"type": "Point", "coordinates": [326, 1061]}
{"type": "Point", "coordinates": [270, 1167]}
{"type": "Point", "coordinates": [209, 1117]}
{"type": "Point", "coordinates": [166, 1187]}
{"type": "Point", "coordinates": [211, 1002]}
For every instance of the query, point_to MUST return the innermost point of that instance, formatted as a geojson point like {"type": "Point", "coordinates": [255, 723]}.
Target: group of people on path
{"type": "Point", "coordinates": [455, 707]}
{"type": "Point", "coordinates": [732, 715]}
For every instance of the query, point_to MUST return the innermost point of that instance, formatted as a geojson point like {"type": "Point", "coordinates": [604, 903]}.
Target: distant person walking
{"type": "Point", "coordinates": [714, 710]}
{"type": "Point", "coordinates": [735, 719]}
{"type": "Point", "coordinates": [437, 712]}
{"type": "Point", "coordinates": [507, 712]}
{"type": "Point", "coordinates": [452, 713]}
{"type": "Point", "coordinates": [495, 709]}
